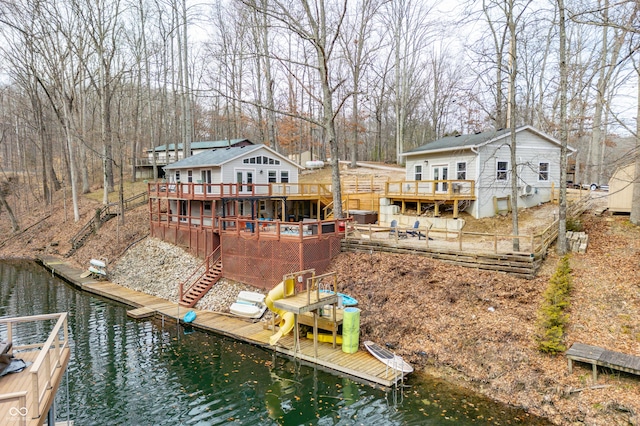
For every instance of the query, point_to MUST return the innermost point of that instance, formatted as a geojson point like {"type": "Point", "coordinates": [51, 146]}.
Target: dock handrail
{"type": "Point", "coordinates": [193, 279]}
{"type": "Point", "coordinates": [47, 361]}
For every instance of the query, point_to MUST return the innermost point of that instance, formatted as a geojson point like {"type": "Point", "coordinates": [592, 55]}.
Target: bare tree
{"type": "Point", "coordinates": [317, 26]}
{"type": "Point", "coordinates": [564, 131]}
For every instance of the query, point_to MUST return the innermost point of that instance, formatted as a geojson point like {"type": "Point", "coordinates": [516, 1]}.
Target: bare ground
{"type": "Point", "coordinates": [438, 316]}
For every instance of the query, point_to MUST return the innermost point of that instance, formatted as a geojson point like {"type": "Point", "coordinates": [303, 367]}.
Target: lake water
{"type": "Point", "coordinates": [153, 372]}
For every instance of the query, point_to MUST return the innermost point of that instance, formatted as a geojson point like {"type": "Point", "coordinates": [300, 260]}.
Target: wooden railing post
{"type": "Point", "coordinates": [35, 400]}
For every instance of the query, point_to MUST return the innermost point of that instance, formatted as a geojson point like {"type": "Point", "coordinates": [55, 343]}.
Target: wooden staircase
{"type": "Point", "coordinates": [202, 280]}
{"type": "Point", "coordinates": [103, 215]}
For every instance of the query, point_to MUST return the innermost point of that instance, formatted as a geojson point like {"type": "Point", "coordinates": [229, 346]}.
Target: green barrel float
{"type": "Point", "coordinates": [350, 330]}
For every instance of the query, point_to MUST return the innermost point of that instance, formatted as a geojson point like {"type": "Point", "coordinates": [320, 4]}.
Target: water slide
{"type": "Point", "coordinates": [287, 320]}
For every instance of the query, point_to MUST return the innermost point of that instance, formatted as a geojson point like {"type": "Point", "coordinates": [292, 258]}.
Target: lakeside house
{"type": "Point", "coordinates": [242, 207]}
{"type": "Point", "coordinates": [163, 155]}
{"type": "Point", "coordinates": [483, 161]}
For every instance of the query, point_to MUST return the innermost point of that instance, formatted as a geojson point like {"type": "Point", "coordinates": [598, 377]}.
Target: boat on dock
{"type": "Point", "coordinates": [249, 304]}
{"type": "Point", "coordinates": [388, 358]}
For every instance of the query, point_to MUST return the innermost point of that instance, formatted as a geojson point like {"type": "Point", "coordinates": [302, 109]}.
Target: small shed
{"type": "Point", "coordinates": [621, 189]}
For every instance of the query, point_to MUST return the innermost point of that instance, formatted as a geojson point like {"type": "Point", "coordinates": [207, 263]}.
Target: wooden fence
{"type": "Point", "coordinates": [472, 249]}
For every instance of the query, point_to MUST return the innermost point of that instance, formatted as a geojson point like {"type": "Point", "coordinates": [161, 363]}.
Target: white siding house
{"type": "Point", "coordinates": [251, 166]}
{"type": "Point", "coordinates": [248, 164]}
{"type": "Point", "coordinates": [486, 159]}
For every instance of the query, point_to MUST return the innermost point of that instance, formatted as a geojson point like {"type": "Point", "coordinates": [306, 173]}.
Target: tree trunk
{"type": "Point", "coordinates": [635, 204]}
{"type": "Point", "coordinates": [512, 125]}
{"type": "Point", "coordinates": [561, 245]}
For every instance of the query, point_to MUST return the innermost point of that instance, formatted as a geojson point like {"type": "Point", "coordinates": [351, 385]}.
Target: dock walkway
{"type": "Point", "coordinates": [597, 356]}
{"type": "Point", "coordinates": [360, 365]}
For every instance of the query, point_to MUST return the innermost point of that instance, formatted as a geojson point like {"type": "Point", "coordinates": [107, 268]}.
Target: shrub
{"type": "Point", "coordinates": [574, 224]}
{"type": "Point", "coordinates": [552, 316]}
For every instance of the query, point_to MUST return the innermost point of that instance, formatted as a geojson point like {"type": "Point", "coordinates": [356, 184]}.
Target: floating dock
{"type": "Point", "coordinates": [360, 365]}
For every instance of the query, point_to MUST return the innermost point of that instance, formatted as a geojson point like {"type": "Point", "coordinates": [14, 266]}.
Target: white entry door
{"type": "Point", "coordinates": [440, 173]}
{"type": "Point", "coordinates": [245, 178]}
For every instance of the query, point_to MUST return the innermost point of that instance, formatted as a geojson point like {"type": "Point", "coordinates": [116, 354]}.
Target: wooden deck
{"type": "Point", "coordinates": [27, 396]}
{"type": "Point", "coordinates": [597, 356]}
{"type": "Point", "coordinates": [360, 365]}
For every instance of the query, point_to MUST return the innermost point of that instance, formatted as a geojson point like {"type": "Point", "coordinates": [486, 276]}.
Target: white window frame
{"type": "Point", "coordinates": [458, 171]}
{"type": "Point", "coordinates": [506, 171]}
{"type": "Point", "coordinates": [282, 174]}
{"type": "Point", "coordinates": [544, 172]}
{"type": "Point", "coordinates": [417, 172]}
{"type": "Point", "coordinates": [272, 176]}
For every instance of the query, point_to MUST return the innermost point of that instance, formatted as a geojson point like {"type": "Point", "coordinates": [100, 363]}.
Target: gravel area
{"type": "Point", "coordinates": [155, 267]}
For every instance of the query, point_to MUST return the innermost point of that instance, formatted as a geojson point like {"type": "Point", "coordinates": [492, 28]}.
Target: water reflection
{"type": "Point", "coordinates": [153, 372]}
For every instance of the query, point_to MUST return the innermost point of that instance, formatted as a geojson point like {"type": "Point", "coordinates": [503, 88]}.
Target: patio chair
{"type": "Point", "coordinates": [396, 231]}
{"type": "Point", "coordinates": [415, 232]}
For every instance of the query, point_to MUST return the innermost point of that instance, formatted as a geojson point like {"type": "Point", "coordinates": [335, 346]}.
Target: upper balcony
{"type": "Point", "coordinates": [216, 191]}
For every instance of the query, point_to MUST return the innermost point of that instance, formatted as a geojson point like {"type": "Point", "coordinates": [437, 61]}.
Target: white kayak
{"type": "Point", "coordinates": [387, 357]}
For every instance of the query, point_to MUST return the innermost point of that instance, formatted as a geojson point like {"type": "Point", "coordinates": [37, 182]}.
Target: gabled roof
{"type": "Point", "coordinates": [219, 156]}
{"type": "Point", "coordinates": [474, 141]}
{"type": "Point", "coordinates": [202, 145]}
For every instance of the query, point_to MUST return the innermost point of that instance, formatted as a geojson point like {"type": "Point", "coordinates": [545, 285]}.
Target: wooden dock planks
{"type": "Point", "coordinates": [597, 356]}
{"type": "Point", "coordinates": [360, 365]}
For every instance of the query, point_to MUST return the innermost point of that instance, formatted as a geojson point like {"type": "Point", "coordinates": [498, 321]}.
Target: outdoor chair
{"type": "Point", "coordinates": [396, 231]}
{"type": "Point", "coordinates": [415, 232]}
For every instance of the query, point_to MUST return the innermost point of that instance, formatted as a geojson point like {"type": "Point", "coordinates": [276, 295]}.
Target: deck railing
{"type": "Point", "coordinates": [192, 190]}
{"type": "Point", "coordinates": [431, 188]}
{"type": "Point", "coordinates": [273, 229]}
{"type": "Point", "coordinates": [200, 272]}
{"type": "Point", "coordinates": [47, 362]}
{"type": "Point", "coordinates": [534, 244]}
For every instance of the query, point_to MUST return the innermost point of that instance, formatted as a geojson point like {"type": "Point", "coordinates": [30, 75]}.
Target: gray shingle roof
{"type": "Point", "coordinates": [214, 157]}
{"type": "Point", "coordinates": [462, 141]}
{"type": "Point", "coordinates": [202, 145]}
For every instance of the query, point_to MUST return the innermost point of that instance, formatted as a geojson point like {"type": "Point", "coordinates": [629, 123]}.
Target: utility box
{"type": "Point", "coordinates": [364, 217]}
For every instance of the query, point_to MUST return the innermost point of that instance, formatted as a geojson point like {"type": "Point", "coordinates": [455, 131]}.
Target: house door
{"type": "Point", "coordinates": [206, 180]}
{"type": "Point", "coordinates": [245, 178]}
{"type": "Point", "coordinates": [441, 173]}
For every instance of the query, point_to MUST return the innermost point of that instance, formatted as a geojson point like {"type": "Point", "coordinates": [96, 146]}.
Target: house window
{"type": "Point", "coordinates": [273, 178]}
{"type": "Point", "coordinates": [261, 160]}
{"type": "Point", "coordinates": [543, 171]}
{"type": "Point", "coordinates": [461, 171]}
{"type": "Point", "coordinates": [284, 176]}
{"type": "Point", "coordinates": [206, 206]}
{"type": "Point", "coordinates": [190, 176]}
{"type": "Point", "coordinates": [418, 171]}
{"type": "Point", "coordinates": [502, 170]}
{"type": "Point", "coordinates": [177, 175]}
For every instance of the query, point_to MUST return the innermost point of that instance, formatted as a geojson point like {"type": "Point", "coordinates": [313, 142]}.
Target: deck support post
{"type": "Point", "coordinates": [595, 373]}
{"type": "Point", "coordinates": [570, 365]}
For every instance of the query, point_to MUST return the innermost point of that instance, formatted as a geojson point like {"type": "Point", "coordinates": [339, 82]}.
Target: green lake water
{"type": "Point", "coordinates": [154, 372]}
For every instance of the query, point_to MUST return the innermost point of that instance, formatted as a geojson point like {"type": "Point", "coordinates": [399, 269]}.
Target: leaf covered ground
{"type": "Point", "coordinates": [475, 328]}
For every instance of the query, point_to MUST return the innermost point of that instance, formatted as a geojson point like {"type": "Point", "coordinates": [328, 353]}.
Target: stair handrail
{"type": "Point", "coordinates": [104, 211]}
{"type": "Point", "coordinates": [328, 209]}
{"type": "Point", "coordinates": [90, 225]}
{"type": "Point", "coordinates": [211, 260]}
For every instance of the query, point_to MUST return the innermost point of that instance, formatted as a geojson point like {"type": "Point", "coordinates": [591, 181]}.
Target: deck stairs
{"type": "Point", "coordinates": [202, 280]}
{"type": "Point", "coordinates": [103, 215]}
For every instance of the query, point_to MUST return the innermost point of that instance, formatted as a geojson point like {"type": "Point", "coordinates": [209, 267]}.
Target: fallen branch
{"type": "Point", "coordinates": [589, 388]}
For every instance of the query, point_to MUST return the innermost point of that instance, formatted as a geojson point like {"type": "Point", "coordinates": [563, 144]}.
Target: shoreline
{"type": "Point", "coordinates": [437, 317]}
